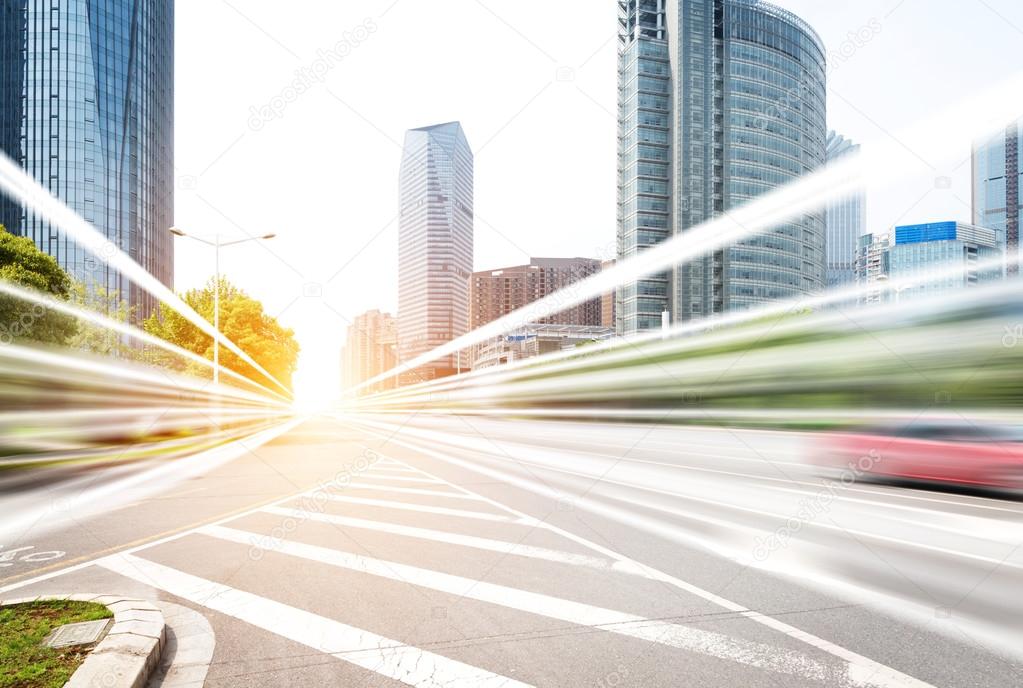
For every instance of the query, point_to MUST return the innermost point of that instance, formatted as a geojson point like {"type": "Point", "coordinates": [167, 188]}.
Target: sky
{"type": "Point", "coordinates": [290, 117]}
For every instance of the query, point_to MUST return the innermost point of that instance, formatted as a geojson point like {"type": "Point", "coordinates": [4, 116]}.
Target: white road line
{"type": "Point", "coordinates": [423, 508]}
{"type": "Point", "coordinates": [412, 490]}
{"type": "Point", "coordinates": [390, 468]}
{"type": "Point", "coordinates": [749, 653]}
{"type": "Point", "coordinates": [409, 665]}
{"type": "Point", "coordinates": [863, 669]}
{"type": "Point", "coordinates": [401, 478]}
{"type": "Point", "coordinates": [449, 538]}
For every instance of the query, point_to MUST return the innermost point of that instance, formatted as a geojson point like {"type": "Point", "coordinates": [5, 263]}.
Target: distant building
{"type": "Point", "coordinates": [997, 169]}
{"type": "Point", "coordinates": [608, 304]}
{"type": "Point", "coordinates": [435, 245]}
{"type": "Point", "coordinates": [846, 221]}
{"type": "Point", "coordinates": [495, 293]}
{"type": "Point", "coordinates": [533, 340]}
{"type": "Point", "coordinates": [872, 265]}
{"type": "Point", "coordinates": [370, 349]}
{"type": "Point", "coordinates": [930, 250]}
{"type": "Point", "coordinates": [87, 110]}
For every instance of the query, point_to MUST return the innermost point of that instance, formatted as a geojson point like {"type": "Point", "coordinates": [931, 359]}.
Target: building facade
{"type": "Point", "coordinates": [720, 101]}
{"type": "Point", "coordinates": [87, 88]}
{"type": "Point", "coordinates": [846, 220]}
{"type": "Point", "coordinates": [435, 245]}
{"type": "Point", "coordinates": [370, 350]}
{"type": "Point", "coordinates": [873, 265]}
{"type": "Point", "coordinates": [997, 172]}
{"type": "Point", "coordinates": [944, 256]}
{"type": "Point", "coordinates": [495, 293]}
{"type": "Point", "coordinates": [608, 302]}
{"type": "Point", "coordinates": [535, 339]}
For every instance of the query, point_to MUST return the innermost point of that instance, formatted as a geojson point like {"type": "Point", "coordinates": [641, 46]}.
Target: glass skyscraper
{"type": "Point", "coordinates": [435, 246]}
{"type": "Point", "coordinates": [720, 101]}
{"type": "Point", "coordinates": [846, 221]}
{"type": "Point", "coordinates": [997, 170]}
{"type": "Point", "coordinates": [87, 108]}
{"type": "Point", "coordinates": [929, 251]}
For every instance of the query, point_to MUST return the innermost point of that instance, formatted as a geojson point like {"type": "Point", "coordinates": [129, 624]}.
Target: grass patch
{"type": "Point", "coordinates": [24, 661]}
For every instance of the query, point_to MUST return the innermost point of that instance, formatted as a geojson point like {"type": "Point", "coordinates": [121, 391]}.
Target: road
{"type": "Point", "coordinates": [460, 551]}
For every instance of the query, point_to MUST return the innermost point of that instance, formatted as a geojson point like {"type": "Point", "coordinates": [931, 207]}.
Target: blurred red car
{"type": "Point", "coordinates": [951, 454]}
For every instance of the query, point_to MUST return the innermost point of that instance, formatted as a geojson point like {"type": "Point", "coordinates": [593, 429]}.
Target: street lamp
{"type": "Point", "coordinates": [217, 244]}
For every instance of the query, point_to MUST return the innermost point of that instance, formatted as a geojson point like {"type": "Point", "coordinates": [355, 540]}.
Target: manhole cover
{"type": "Point", "coordinates": [85, 633]}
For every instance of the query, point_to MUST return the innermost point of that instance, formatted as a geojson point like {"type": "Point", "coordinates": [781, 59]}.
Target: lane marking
{"type": "Point", "coordinates": [412, 490]}
{"type": "Point", "coordinates": [409, 665]}
{"type": "Point", "coordinates": [501, 546]}
{"type": "Point", "coordinates": [401, 478]}
{"type": "Point", "coordinates": [423, 508]}
{"type": "Point", "coordinates": [717, 645]}
{"type": "Point", "coordinates": [861, 668]}
{"type": "Point", "coordinates": [390, 468]}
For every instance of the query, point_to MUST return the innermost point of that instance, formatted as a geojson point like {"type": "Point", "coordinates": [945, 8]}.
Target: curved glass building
{"type": "Point", "coordinates": [87, 88]}
{"type": "Point", "coordinates": [720, 101]}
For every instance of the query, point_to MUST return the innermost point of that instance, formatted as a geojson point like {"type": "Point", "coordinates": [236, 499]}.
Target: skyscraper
{"type": "Point", "coordinates": [930, 252]}
{"type": "Point", "coordinates": [494, 293]}
{"type": "Point", "coordinates": [435, 245]}
{"type": "Point", "coordinates": [369, 350]}
{"type": "Point", "coordinates": [87, 94]}
{"type": "Point", "coordinates": [997, 169]}
{"type": "Point", "coordinates": [720, 101]}
{"type": "Point", "coordinates": [846, 221]}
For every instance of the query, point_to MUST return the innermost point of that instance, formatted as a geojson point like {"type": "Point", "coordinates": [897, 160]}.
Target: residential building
{"type": "Point", "coordinates": [495, 293]}
{"type": "Point", "coordinates": [608, 301]}
{"type": "Point", "coordinates": [945, 256]}
{"type": "Point", "coordinates": [535, 339]}
{"type": "Point", "coordinates": [435, 245]}
{"type": "Point", "coordinates": [87, 89]}
{"type": "Point", "coordinates": [846, 220]}
{"type": "Point", "coordinates": [370, 350]}
{"type": "Point", "coordinates": [997, 169]}
{"type": "Point", "coordinates": [872, 265]}
{"type": "Point", "coordinates": [720, 101]}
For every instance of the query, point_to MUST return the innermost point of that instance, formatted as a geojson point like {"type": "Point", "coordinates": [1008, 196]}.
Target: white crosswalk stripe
{"type": "Point", "coordinates": [423, 508]}
{"type": "Point", "coordinates": [413, 490]}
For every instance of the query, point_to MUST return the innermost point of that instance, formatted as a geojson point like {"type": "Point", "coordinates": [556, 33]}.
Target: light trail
{"type": "Point", "coordinates": [21, 186]}
{"type": "Point", "coordinates": [885, 161]}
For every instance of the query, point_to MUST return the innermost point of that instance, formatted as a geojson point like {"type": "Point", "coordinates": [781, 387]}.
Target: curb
{"type": "Point", "coordinates": [128, 653]}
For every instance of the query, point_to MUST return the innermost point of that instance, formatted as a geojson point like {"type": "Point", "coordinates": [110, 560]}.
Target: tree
{"type": "Point", "coordinates": [96, 338]}
{"type": "Point", "coordinates": [242, 320]}
{"type": "Point", "coordinates": [24, 265]}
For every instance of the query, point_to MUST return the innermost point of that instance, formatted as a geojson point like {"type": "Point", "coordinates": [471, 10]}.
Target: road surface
{"type": "Point", "coordinates": [381, 551]}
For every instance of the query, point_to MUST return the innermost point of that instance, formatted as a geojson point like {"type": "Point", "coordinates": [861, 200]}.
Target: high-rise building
{"type": "Point", "coordinates": [873, 265]}
{"type": "Point", "coordinates": [944, 256]}
{"type": "Point", "coordinates": [720, 101]}
{"type": "Point", "coordinates": [370, 350]}
{"type": "Point", "coordinates": [87, 94]}
{"type": "Point", "coordinates": [846, 220]}
{"type": "Point", "coordinates": [608, 301]}
{"type": "Point", "coordinates": [997, 169]}
{"type": "Point", "coordinates": [495, 293]}
{"type": "Point", "coordinates": [435, 245]}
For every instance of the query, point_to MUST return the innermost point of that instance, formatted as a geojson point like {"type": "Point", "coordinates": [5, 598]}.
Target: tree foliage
{"type": "Point", "coordinates": [96, 338]}
{"type": "Point", "coordinates": [242, 320]}
{"type": "Point", "coordinates": [23, 264]}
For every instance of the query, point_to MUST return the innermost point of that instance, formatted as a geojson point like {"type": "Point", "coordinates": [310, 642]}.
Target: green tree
{"type": "Point", "coordinates": [242, 320]}
{"type": "Point", "coordinates": [96, 338]}
{"type": "Point", "coordinates": [24, 265]}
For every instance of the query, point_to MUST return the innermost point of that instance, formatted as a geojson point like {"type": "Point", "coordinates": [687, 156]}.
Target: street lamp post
{"type": "Point", "coordinates": [217, 244]}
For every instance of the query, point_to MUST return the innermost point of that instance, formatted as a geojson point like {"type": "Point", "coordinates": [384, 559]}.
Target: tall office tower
{"type": "Point", "coordinates": [87, 94]}
{"type": "Point", "coordinates": [494, 293]}
{"type": "Point", "coordinates": [370, 349]}
{"type": "Point", "coordinates": [435, 242]}
{"type": "Point", "coordinates": [720, 101]}
{"type": "Point", "coordinates": [873, 265]}
{"type": "Point", "coordinates": [846, 221]}
{"type": "Point", "coordinates": [997, 169]}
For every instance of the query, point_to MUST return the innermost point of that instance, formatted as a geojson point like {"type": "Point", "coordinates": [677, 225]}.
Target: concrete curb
{"type": "Point", "coordinates": [129, 653]}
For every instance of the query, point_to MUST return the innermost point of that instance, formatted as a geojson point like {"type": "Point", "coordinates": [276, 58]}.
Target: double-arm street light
{"type": "Point", "coordinates": [217, 244]}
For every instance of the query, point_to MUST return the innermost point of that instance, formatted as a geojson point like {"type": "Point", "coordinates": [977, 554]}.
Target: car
{"type": "Point", "coordinates": [936, 453]}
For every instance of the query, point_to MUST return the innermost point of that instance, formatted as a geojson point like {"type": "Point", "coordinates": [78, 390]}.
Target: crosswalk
{"type": "Point", "coordinates": [358, 573]}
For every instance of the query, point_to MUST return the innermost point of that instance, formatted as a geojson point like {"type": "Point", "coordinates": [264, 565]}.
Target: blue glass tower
{"type": "Point", "coordinates": [87, 94]}
{"type": "Point", "coordinates": [997, 172]}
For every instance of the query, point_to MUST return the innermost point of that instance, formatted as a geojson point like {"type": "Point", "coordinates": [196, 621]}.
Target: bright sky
{"type": "Point", "coordinates": [533, 83]}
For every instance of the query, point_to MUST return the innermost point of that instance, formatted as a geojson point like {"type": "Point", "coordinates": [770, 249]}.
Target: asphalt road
{"type": "Point", "coordinates": [466, 552]}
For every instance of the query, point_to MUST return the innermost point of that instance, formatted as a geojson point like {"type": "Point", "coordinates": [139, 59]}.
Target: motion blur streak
{"type": "Point", "coordinates": [24, 188]}
{"type": "Point", "coordinates": [886, 162]}
{"type": "Point", "coordinates": [747, 495]}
